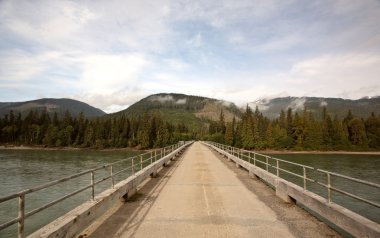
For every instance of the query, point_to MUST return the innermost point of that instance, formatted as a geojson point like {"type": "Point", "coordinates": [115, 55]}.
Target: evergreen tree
{"type": "Point", "coordinates": [221, 124]}
{"type": "Point", "coordinates": [229, 135]}
{"type": "Point", "coordinates": [270, 142]}
{"type": "Point", "coordinates": [372, 126]}
{"type": "Point", "coordinates": [357, 133]}
{"type": "Point", "coordinates": [298, 131]}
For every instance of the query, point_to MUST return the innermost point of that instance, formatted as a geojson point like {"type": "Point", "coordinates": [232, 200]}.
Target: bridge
{"type": "Point", "coordinates": [204, 189]}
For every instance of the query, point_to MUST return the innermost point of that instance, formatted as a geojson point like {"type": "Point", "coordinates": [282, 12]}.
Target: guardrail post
{"type": "Point", "coordinates": [254, 159]}
{"type": "Point", "coordinates": [21, 216]}
{"type": "Point", "coordinates": [277, 168]}
{"type": "Point", "coordinates": [92, 185]}
{"type": "Point", "coordinates": [141, 163]}
{"type": "Point", "coordinates": [133, 167]}
{"type": "Point", "coordinates": [155, 155]}
{"type": "Point", "coordinates": [249, 157]}
{"type": "Point", "coordinates": [329, 187]}
{"type": "Point", "coordinates": [266, 157]}
{"type": "Point", "coordinates": [112, 179]}
{"type": "Point", "coordinates": [151, 157]}
{"type": "Point", "coordinates": [304, 178]}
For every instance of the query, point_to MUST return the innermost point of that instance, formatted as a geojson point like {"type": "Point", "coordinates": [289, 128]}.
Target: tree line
{"type": "Point", "coordinates": [297, 131]}
{"type": "Point", "coordinates": [39, 128]}
{"type": "Point", "coordinates": [290, 131]}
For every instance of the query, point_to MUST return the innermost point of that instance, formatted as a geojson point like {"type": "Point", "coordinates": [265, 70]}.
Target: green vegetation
{"type": "Point", "coordinates": [335, 106]}
{"type": "Point", "coordinates": [163, 119]}
{"type": "Point", "coordinates": [294, 131]}
{"type": "Point", "coordinates": [146, 131]}
{"type": "Point", "coordinates": [51, 106]}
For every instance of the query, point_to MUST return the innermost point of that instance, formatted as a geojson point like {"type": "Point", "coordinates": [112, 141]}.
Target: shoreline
{"type": "Point", "coordinates": [42, 148]}
{"type": "Point", "coordinates": [22, 147]}
{"type": "Point", "coordinates": [316, 152]}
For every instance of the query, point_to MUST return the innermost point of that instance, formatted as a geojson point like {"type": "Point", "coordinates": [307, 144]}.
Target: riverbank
{"type": "Point", "coordinates": [340, 152]}
{"type": "Point", "coordinates": [37, 147]}
{"type": "Point", "coordinates": [40, 147]}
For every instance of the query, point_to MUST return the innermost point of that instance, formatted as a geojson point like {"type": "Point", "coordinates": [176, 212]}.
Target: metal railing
{"type": "Point", "coordinates": [136, 164]}
{"type": "Point", "coordinates": [273, 165]}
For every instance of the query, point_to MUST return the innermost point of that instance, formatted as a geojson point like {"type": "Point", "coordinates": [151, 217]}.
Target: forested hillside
{"type": "Point", "coordinates": [36, 128]}
{"type": "Point", "coordinates": [163, 119]}
{"type": "Point", "coordinates": [299, 131]}
{"type": "Point", "coordinates": [51, 106]}
{"type": "Point", "coordinates": [335, 106]}
{"type": "Point", "coordinates": [196, 112]}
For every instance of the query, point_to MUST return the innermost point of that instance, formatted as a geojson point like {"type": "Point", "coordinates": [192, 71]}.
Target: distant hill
{"type": "Point", "coordinates": [194, 111]}
{"type": "Point", "coordinates": [335, 106]}
{"type": "Point", "coordinates": [51, 105]}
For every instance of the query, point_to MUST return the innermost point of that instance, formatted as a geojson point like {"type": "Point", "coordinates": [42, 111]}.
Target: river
{"type": "Point", "coordinates": [364, 166]}
{"type": "Point", "coordinates": [21, 169]}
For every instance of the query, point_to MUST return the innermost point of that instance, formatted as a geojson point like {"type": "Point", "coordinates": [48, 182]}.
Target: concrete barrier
{"type": "Point", "coordinates": [341, 217]}
{"type": "Point", "coordinates": [73, 222]}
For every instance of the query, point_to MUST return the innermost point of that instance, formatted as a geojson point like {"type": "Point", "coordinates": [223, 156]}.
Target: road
{"type": "Point", "coordinates": [201, 196]}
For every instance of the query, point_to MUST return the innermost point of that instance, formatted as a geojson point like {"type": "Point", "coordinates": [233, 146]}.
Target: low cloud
{"type": "Point", "coordinates": [18, 65]}
{"type": "Point", "coordinates": [297, 104]}
{"type": "Point", "coordinates": [167, 98]}
{"type": "Point", "coordinates": [161, 99]}
{"type": "Point", "coordinates": [181, 101]}
{"type": "Point", "coordinates": [332, 75]}
{"type": "Point", "coordinates": [105, 73]}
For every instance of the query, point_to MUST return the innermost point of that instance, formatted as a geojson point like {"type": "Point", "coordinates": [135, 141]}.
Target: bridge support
{"type": "Point", "coordinates": [129, 194]}
{"type": "Point", "coordinates": [252, 174]}
{"type": "Point", "coordinates": [154, 174]}
{"type": "Point", "coordinates": [281, 192]}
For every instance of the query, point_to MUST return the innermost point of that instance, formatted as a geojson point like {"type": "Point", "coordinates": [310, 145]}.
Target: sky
{"type": "Point", "coordinates": [111, 54]}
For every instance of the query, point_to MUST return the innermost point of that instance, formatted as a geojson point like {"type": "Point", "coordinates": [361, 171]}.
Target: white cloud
{"type": "Point", "coordinates": [336, 75]}
{"type": "Point", "coordinates": [323, 103]}
{"type": "Point", "coordinates": [19, 66]}
{"type": "Point", "coordinates": [115, 108]}
{"type": "Point", "coordinates": [176, 64]}
{"type": "Point", "coordinates": [108, 73]}
{"type": "Point", "coordinates": [181, 101]}
{"type": "Point", "coordinates": [241, 50]}
{"type": "Point", "coordinates": [196, 41]}
{"type": "Point", "coordinates": [95, 25]}
{"type": "Point", "coordinates": [112, 102]}
{"type": "Point", "coordinates": [161, 99]}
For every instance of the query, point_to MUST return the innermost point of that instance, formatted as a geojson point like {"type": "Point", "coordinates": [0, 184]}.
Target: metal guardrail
{"type": "Point", "coordinates": [137, 163]}
{"type": "Point", "coordinates": [274, 164]}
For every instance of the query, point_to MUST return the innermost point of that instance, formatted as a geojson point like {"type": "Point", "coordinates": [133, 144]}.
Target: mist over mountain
{"type": "Point", "coordinates": [194, 111]}
{"type": "Point", "coordinates": [335, 106]}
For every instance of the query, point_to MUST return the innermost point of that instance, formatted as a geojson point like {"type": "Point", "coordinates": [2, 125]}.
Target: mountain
{"type": "Point", "coordinates": [51, 105]}
{"type": "Point", "coordinates": [193, 111]}
{"type": "Point", "coordinates": [335, 106]}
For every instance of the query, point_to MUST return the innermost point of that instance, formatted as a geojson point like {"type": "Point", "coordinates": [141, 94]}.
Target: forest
{"type": "Point", "coordinates": [290, 131]}
{"type": "Point", "coordinates": [294, 131]}
{"type": "Point", "coordinates": [143, 132]}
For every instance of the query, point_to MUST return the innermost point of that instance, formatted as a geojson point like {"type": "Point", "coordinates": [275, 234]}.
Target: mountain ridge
{"type": "Point", "coordinates": [362, 107]}
{"type": "Point", "coordinates": [51, 105]}
{"type": "Point", "coordinates": [195, 111]}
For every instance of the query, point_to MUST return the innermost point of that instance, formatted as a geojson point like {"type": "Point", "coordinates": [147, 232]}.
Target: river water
{"type": "Point", "coordinates": [21, 169]}
{"type": "Point", "coordinates": [364, 167]}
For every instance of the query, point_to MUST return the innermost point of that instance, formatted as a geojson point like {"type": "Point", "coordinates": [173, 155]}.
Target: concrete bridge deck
{"type": "Point", "coordinates": [202, 196]}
